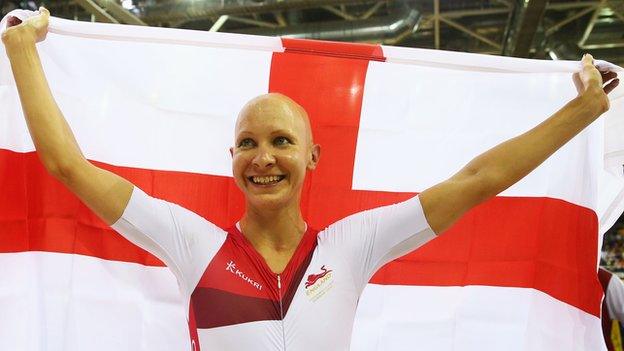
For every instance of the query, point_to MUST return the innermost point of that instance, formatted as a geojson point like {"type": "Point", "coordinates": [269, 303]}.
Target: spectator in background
{"type": "Point", "coordinates": [612, 307]}
{"type": "Point", "coordinates": [612, 256]}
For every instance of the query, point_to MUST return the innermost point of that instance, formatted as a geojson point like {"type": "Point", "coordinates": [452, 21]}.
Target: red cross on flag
{"type": "Point", "coordinates": [157, 106]}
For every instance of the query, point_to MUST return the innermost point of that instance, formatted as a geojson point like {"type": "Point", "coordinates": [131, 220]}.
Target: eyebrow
{"type": "Point", "coordinates": [282, 131]}
{"type": "Point", "coordinates": [275, 132]}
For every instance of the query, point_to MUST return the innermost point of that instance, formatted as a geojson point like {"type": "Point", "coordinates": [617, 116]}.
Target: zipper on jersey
{"type": "Point", "coordinates": [279, 292]}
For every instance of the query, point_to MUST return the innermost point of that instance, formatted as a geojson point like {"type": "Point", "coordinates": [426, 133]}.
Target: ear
{"type": "Point", "coordinates": [316, 154]}
{"type": "Point", "coordinates": [232, 152]}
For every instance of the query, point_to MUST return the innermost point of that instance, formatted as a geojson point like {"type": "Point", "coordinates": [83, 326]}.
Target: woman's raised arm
{"type": "Point", "coordinates": [505, 164]}
{"type": "Point", "coordinates": [104, 192]}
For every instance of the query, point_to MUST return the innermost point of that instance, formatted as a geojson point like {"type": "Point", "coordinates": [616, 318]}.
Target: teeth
{"type": "Point", "coordinates": [265, 179]}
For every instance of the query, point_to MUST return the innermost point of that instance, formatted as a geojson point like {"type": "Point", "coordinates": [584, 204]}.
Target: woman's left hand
{"type": "Point", "coordinates": [594, 84]}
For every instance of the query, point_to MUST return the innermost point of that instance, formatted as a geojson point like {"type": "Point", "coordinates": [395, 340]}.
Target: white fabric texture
{"type": "Point", "coordinates": [370, 239]}
{"type": "Point", "coordinates": [185, 241]}
{"type": "Point", "coordinates": [399, 318]}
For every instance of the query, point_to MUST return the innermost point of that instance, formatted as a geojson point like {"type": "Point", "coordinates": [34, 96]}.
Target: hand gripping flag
{"type": "Point", "coordinates": [157, 106]}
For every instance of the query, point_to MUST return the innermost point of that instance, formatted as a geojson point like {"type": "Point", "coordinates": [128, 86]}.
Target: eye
{"type": "Point", "coordinates": [281, 141]}
{"type": "Point", "coordinates": [246, 143]}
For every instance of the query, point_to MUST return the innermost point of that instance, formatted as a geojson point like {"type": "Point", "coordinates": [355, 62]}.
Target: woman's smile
{"type": "Point", "coordinates": [266, 180]}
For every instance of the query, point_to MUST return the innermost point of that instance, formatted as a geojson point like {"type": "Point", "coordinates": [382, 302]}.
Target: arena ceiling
{"type": "Point", "coordinates": [557, 29]}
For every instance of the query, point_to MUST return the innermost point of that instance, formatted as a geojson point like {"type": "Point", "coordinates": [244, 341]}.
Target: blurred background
{"type": "Point", "coordinates": [557, 29]}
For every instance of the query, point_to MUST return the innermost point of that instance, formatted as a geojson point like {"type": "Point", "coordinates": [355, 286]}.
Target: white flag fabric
{"type": "Point", "coordinates": [157, 106]}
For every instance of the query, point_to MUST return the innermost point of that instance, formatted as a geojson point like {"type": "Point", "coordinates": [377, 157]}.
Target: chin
{"type": "Point", "coordinates": [268, 201]}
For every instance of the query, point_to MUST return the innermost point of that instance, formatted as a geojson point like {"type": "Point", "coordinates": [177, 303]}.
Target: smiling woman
{"type": "Point", "coordinates": [271, 282]}
{"type": "Point", "coordinates": [273, 151]}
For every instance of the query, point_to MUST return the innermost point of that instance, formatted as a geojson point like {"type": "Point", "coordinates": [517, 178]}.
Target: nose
{"type": "Point", "coordinates": [264, 159]}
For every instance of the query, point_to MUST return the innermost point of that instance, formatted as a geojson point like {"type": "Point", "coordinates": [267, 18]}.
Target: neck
{"type": "Point", "coordinates": [278, 230]}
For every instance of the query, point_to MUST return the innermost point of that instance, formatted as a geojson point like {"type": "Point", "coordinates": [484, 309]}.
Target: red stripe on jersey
{"type": "Point", "coordinates": [195, 346]}
{"type": "Point", "coordinates": [217, 308]}
{"type": "Point", "coordinates": [238, 280]}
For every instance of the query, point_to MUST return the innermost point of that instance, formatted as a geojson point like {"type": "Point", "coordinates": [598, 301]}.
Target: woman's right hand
{"type": "Point", "coordinates": [32, 29]}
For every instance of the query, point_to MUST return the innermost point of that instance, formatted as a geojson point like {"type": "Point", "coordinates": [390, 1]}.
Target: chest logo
{"type": "Point", "coordinates": [231, 267]}
{"type": "Point", "coordinates": [318, 284]}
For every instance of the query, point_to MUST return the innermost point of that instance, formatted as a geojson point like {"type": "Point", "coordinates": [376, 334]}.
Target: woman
{"type": "Point", "coordinates": [270, 282]}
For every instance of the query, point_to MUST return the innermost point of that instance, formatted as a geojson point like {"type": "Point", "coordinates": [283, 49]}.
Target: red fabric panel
{"type": "Point", "coordinates": [333, 48]}
{"type": "Point", "coordinates": [38, 214]}
{"type": "Point", "coordinates": [329, 87]}
{"type": "Point", "coordinates": [224, 298]}
{"type": "Point", "coordinates": [541, 243]}
{"type": "Point", "coordinates": [251, 264]}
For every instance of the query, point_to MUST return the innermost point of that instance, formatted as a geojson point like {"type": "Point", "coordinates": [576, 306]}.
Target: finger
{"type": "Point", "coordinates": [609, 87]}
{"type": "Point", "coordinates": [577, 81]}
{"type": "Point", "coordinates": [44, 11]}
{"type": "Point", "coordinates": [588, 60]}
{"type": "Point", "coordinates": [607, 76]}
{"type": "Point", "coordinates": [41, 20]}
{"type": "Point", "coordinates": [13, 21]}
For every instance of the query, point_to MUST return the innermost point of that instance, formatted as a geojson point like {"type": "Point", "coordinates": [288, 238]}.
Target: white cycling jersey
{"type": "Point", "coordinates": [237, 303]}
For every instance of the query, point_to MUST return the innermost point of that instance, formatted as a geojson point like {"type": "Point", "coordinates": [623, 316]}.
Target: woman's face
{"type": "Point", "coordinates": [272, 152]}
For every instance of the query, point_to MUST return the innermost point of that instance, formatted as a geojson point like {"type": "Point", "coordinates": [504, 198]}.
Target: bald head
{"type": "Point", "coordinates": [274, 106]}
{"type": "Point", "coordinates": [273, 138]}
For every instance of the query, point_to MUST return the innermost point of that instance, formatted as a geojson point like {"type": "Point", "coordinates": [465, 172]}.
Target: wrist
{"type": "Point", "coordinates": [16, 38]}
{"type": "Point", "coordinates": [595, 101]}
